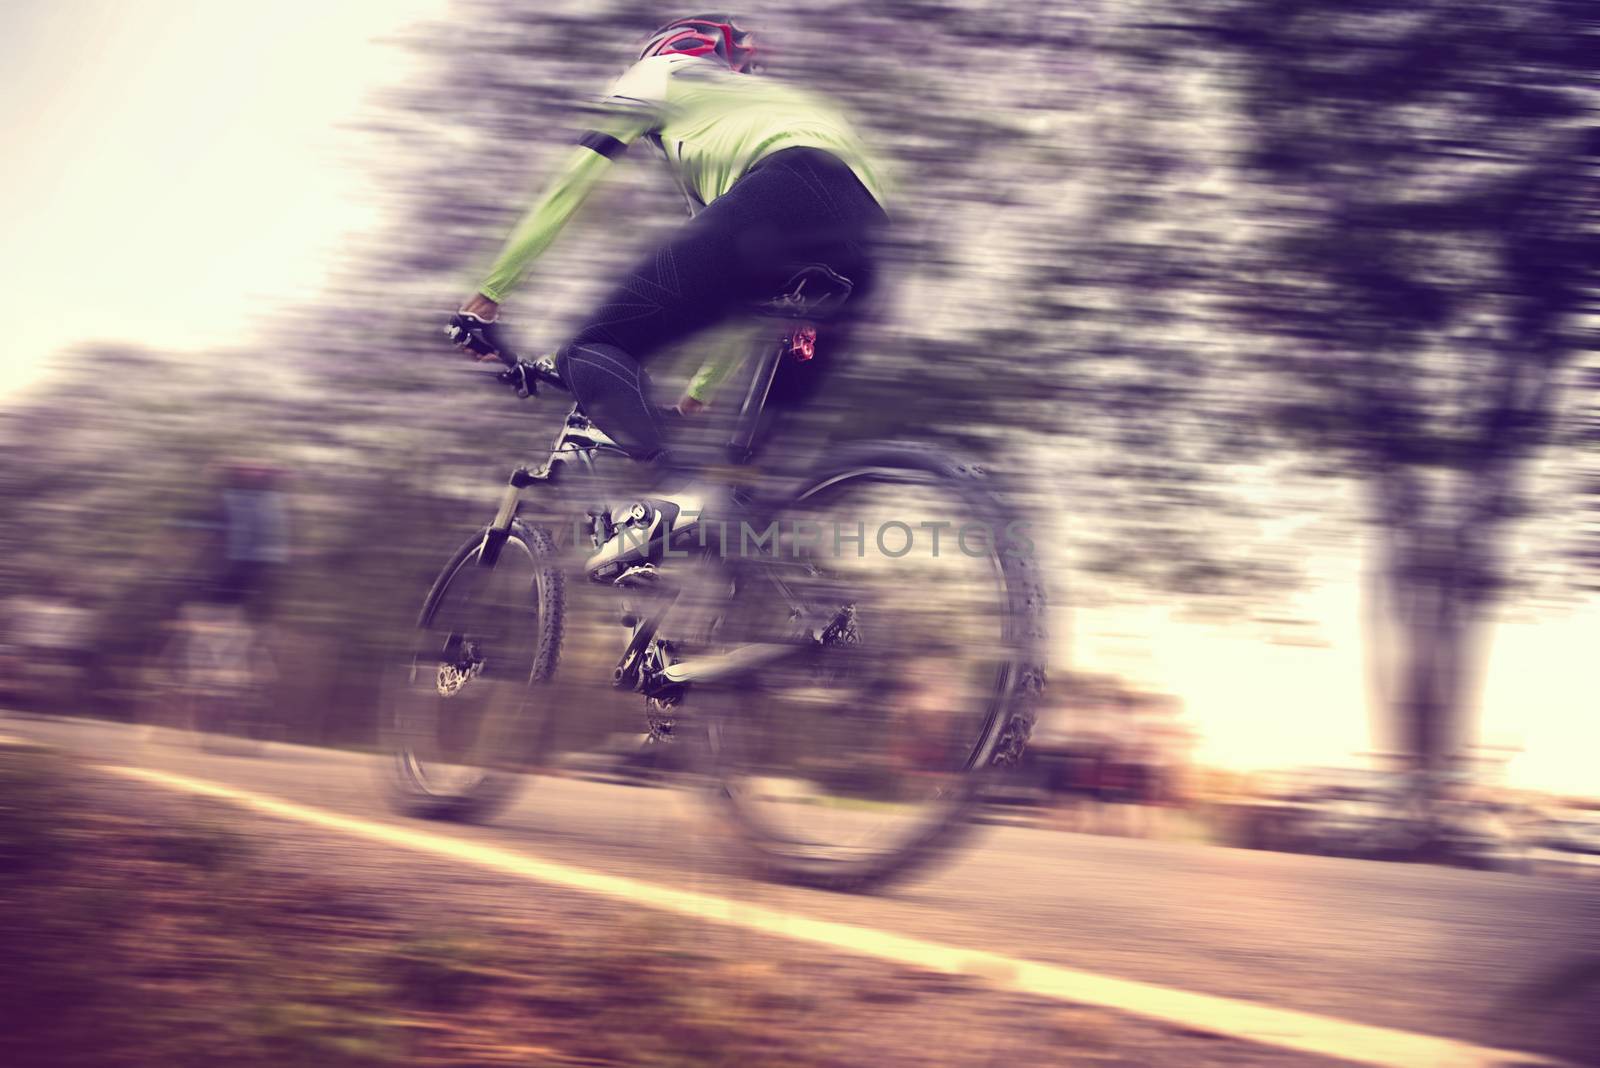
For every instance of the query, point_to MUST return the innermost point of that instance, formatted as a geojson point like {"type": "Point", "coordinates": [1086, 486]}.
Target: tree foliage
{"type": "Point", "coordinates": [1176, 267]}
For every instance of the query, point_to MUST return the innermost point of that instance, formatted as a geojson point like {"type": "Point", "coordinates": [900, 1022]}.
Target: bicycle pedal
{"type": "Point", "coordinates": [640, 576]}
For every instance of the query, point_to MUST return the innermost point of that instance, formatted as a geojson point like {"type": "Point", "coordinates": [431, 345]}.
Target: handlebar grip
{"type": "Point", "coordinates": [485, 346]}
{"type": "Point", "coordinates": [479, 336]}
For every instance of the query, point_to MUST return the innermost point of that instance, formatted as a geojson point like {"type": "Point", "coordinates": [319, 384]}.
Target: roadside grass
{"type": "Point", "coordinates": [154, 932]}
{"type": "Point", "coordinates": [135, 943]}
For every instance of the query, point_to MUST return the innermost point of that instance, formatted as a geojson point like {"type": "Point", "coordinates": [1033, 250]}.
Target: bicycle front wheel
{"type": "Point", "coordinates": [458, 709]}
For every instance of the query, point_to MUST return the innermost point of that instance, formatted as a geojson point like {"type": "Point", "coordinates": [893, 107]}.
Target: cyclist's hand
{"type": "Point", "coordinates": [482, 307]}
{"type": "Point", "coordinates": [473, 328]}
{"type": "Point", "coordinates": [479, 338]}
{"type": "Point", "coordinates": [688, 405]}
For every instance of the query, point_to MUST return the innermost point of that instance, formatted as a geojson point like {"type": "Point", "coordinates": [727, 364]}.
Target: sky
{"type": "Point", "coordinates": [182, 168]}
{"type": "Point", "coordinates": [179, 168]}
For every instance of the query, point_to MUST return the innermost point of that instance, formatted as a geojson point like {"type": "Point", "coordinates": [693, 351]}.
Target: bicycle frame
{"type": "Point", "coordinates": [579, 442]}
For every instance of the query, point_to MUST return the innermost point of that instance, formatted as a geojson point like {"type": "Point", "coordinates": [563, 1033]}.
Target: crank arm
{"type": "Point", "coordinates": [727, 665]}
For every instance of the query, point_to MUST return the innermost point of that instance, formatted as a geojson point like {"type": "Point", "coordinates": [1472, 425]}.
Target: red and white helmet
{"type": "Point", "coordinates": [704, 35]}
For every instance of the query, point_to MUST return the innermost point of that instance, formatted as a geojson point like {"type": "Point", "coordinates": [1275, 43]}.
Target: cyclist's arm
{"type": "Point", "coordinates": [726, 351]}
{"type": "Point", "coordinates": [583, 170]}
{"type": "Point", "coordinates": [703, 386]}
{"type": "Point", "coordinates": [634, 105]}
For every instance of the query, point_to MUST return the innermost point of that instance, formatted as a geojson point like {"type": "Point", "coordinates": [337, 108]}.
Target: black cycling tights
{"type": "Point", "coordinates": [796, 209]}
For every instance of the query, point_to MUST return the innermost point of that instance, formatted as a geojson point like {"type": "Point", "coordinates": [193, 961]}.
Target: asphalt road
{"type": "Point", "coordinates": [1424, 949]}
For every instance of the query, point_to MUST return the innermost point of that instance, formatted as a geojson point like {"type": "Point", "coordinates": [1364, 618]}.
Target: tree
{"type": "Point", "coordinates": [1424, 178]}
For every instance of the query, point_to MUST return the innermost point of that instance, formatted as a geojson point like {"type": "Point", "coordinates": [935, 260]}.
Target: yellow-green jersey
{"type": "Point", "coordinates": [710, 123]}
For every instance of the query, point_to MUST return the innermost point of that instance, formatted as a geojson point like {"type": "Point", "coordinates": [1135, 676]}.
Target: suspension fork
{"type": "Point", "coordinates": [494, 537]}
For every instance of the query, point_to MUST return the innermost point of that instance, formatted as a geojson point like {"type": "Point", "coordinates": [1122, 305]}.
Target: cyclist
{"type": "Point", "coordinates": [785, 207]}
{"type": "Point", "coordinates": [242, 547]}
{"type": "Point", "coordinates": [250, 548]}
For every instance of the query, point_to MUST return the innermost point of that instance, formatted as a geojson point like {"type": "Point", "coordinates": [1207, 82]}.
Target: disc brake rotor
{"type": "Point", "coordinates": [660, 717]}
{"type": "Point", "coordinates": [453, 677]}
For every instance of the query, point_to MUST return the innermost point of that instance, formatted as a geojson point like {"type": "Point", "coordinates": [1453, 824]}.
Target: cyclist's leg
{"type": "Point", "coordinates": [219, 624]}
{"type": "Point", "coordinates": [795, 208]}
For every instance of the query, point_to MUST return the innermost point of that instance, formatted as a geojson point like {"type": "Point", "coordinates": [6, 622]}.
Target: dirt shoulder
{"type": "Point", "coordinates": [145, 928]}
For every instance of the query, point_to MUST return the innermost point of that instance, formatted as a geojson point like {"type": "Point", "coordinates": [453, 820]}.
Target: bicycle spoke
{"type": "Point", "coordinates": [854, 751]}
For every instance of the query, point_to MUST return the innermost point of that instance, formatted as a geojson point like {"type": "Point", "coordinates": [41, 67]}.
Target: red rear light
{"type": "Point", "coordinates": [803, 343]}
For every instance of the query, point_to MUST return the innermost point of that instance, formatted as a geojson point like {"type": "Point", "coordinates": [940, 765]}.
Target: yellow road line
{"type": "Point", "coordinates": [1283, 1028]}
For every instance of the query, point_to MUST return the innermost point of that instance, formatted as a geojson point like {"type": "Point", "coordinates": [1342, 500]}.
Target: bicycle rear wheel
{"type": "Point", "coordinates": [457, 710]}
{"type": "Point", "coordinates": [862, 760]}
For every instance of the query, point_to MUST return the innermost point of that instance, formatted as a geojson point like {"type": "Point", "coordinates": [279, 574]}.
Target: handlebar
{"type": "Point", "coordinates": [481, 336]}
{"type": "Point", "coordinates": [525, 376]}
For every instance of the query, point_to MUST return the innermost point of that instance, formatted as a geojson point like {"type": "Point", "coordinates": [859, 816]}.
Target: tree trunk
{"type": "Point", "coordinates": [1426, 625]}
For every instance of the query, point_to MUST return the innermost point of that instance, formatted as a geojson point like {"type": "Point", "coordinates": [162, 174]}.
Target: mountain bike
{"type": "Point", "coordinates": [849, 705]}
